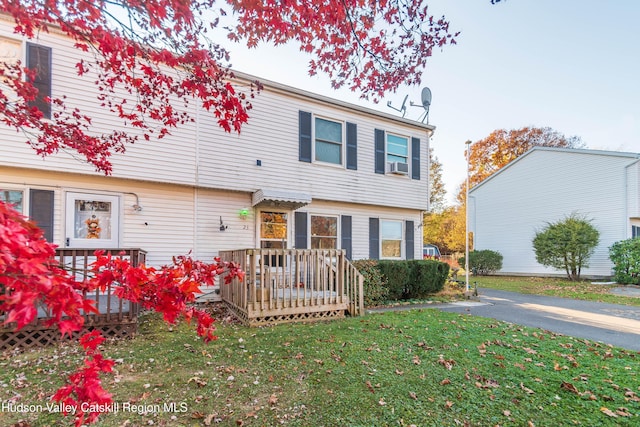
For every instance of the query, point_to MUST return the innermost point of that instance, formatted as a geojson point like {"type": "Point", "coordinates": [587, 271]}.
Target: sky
{"type": "Point", "coordinates": [572, 65]}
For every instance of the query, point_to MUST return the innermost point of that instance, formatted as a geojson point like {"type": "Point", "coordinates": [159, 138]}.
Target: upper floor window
{"type": "Point", "coordinates": [328, 141]}
{"type": "Point", "coordinates": [39, 60]}
{"type": "Point", "coordinates": [397, 154]}
{"type": "Point", "coordinates": [397, 149]}
{"type": "Point", "coordinates": [324, 232]}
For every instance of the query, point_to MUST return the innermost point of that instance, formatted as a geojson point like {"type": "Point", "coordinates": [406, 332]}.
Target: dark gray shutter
{"type": "Point", "coordinates": [304, 125]}
{"type": "Point", "coordinates": [409, 240]}
{"type": "Point", "coordinates": [352, 146]}
{"type": "Point", "coordinates": [41, 211]}
{"type": "Point", "coordinates": [346, 235]}
{"type": "Point", "coordinates": [39, 59]}
{"type": "Point", "coordinates": [374, 238]}
{"type": "Point", "coordinates": [300, 226]}
{"type": "Point", "coordinates": [379, 142]}
{"type": "Point", "coordinates": [415, 158]}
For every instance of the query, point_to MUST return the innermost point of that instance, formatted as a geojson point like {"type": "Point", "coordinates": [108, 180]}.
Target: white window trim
{"type": "Point", "coordinates": [338, 228]}
{"type": "Point", "coordinates": [402, 238]}
{"type": "Point", "coordinates": [25, 196]}
{"type": "Point", "coordinates": [116, 220]}
{"type": "Point", "coordinates": [343, 145]}
{"type": "Point", "coordinates": [258, 225]}
{"type": "Point", "coordinates": [386, 153]}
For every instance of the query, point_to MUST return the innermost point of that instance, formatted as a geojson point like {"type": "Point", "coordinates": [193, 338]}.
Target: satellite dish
{"type": "Point", "coordinates": [426, 103]}
{"type": "Point", "coordinates": [402, 109]}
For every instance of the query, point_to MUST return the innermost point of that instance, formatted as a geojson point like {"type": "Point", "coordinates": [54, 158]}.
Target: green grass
{"type": "Point", "coordinates": [416, 367]}
{"type": "Point", "coordinates": [582, 290]}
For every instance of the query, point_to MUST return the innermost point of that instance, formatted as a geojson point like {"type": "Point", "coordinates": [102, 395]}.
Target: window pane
{"type": "Point", "coordinates": [397, 149]}
{"type": "Point", "coordinates": [324, 232]}
{"type": "Point", "coordinates": [391, 230]}
{"type": "Point", "coordinates": [13, 197]}
{"type": "Point", "coordinates": [92, 219]}
{"type": "Point", "coordinates": [328, 141]}
{"type": "Point", "coordinates": [328, 131]}
{"type": "Point", "coordinates": [391, 238]}
{"type": "Point", "coordinates": [391, 249]}
{"type": "Point", "coordinates": [273, 225]}
{"type": "Point", "coordinates": [328, 152]}
{"type": "Point", "coordinates": [323, 242]}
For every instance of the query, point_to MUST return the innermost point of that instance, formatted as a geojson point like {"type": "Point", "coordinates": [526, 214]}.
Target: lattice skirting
{"type": "Point", "coordinates": [296, 317]}
{"type": "Point", "coordinates": [39, 335]}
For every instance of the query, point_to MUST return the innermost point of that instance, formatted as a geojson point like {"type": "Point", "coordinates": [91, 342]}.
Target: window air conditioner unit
{"type": "Point", "coordinates": [399, 168]}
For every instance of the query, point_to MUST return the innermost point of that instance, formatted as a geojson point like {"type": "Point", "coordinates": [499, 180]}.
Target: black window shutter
{"type": "Point", "coordinates": [374, 238]}
{"type": "Point", "coordinates": [346, 235]}
{"type": "Point", "coordinates": [39, 59]}
{"type": "Point", "coordinates": [41, 211]}
{"type": "Point", "coordinates": [301, 230]}
{"type": "Point", "coordinates": [415, 158]}
{"type": "Point", "coordinates": [352, 146]}
{"type": "Point", "coordinates": [379, 142]}
{"type": "Point", "coordinates": [409, 240]}
{"type": "Point", "coordinates": [304, 125]}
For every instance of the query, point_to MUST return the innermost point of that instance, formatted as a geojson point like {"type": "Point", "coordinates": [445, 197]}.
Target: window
{"type": "Point", "coordinates": [391, 239]}
{"type": "Point", "coordinates": [273, 230]}
{"type": "Point", "coordinates": [13, 197]}
{"type": "Point", "coordinates": [324, 232]}
{"type": "Point", "coordinates": [397, 149]}
{"type": "Point", "coordinates": [39, 59]}
{"type": "Point", "coordinates": [635, 231]}
{"type": "Point", "coordinates": [92, 220]}
{"type": "Point", "coordinates": [328, 141]}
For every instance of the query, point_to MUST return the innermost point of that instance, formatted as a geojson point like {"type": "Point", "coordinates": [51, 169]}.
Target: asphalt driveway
{"type": "Point", "coordinates": [613, 324]}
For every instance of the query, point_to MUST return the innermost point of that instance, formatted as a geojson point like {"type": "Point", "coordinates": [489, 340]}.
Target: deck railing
{"type": "Point", "coordinates": [116, 317]}
{"type": "Point", "coordinates": [292, 282]}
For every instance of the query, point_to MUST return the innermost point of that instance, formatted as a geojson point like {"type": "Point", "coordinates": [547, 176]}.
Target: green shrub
{"type": "Point", "coordinates": [483, 262]}
{"type": "Point", "coordinates": [396, 272]}
{"type": "Point", "coordinates": [567, 244]}
{"type": "Point", "coordinates": [426, 277]}
{"type": "Point", "coordinates": [625, 256]}
{"type": "Point", "coordinates": [375, 287]}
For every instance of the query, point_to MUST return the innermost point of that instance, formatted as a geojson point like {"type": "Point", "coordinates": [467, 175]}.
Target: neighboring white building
{"type": "Point", "coordinates": [307, 171]}
{"type": "Point", "coordinates": [547, 184]}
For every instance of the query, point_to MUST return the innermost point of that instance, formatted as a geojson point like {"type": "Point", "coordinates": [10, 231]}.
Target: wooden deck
{"type": "Point", "coordinates": [288, 285]}
{"type": "Point", "coordinates": [117, 318]}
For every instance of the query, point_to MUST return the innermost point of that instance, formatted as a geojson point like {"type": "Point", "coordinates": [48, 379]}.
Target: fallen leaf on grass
{"type": "Point", "coordinates": [569, 387]}
{"type": "Point", "coordinates": [526, 389]}
{"type": "Point", "coordinates": [445, 381]}
{"type": "Point", "coordinates": [506, 413]}
{"type": "Point", "coordinates": [608, 412]}
{"type": "Point", "coordinates": [370, 387]}
{"type": "Point", "coordinates": [381, 402]}
{"type": "Point", "coordinates": [413, 395]}
{"type": "Point", "coordinates": [448, 404]}
{"type": "Point", "coordinates": [273, 399]}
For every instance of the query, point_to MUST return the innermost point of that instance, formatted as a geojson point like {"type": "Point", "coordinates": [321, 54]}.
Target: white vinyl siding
{"type": "Point", "coordinates": [546, 185]}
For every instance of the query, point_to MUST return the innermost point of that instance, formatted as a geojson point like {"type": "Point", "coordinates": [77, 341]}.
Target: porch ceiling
{"type": "Point", "coordinates": [275, 197]}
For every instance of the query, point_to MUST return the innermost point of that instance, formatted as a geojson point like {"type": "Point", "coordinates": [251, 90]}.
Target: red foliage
{"type": "Point", "coordinates": [151, 60]}
{"type": "Point", "coordinates": [30, 277]}
{"type": "Point", "coordinates": [151, 65]}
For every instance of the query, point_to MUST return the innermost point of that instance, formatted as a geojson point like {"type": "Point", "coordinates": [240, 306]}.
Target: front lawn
{"type": "Point", "coordinates": [416, 367]}
{"type": "Point", "coordinates": [583, 290]}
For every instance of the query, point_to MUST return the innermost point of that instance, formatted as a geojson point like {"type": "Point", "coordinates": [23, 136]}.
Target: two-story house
{"type": "Point", "coordinates": [307, 171]}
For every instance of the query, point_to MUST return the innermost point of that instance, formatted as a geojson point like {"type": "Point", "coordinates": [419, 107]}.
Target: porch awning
{"type": "Point", "coordinates": [280, 198]}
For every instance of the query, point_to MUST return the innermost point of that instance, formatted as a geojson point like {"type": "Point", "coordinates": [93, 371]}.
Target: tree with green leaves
{"type": "Point", "coordinates": [567, 244]}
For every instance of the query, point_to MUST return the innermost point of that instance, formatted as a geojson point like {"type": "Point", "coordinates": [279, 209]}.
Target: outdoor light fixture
{"type": "Point", "coordinates": [244, 213]}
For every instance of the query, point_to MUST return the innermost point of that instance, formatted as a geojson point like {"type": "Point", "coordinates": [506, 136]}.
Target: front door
{"type": "Point", "coordinates": [92, 220]}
